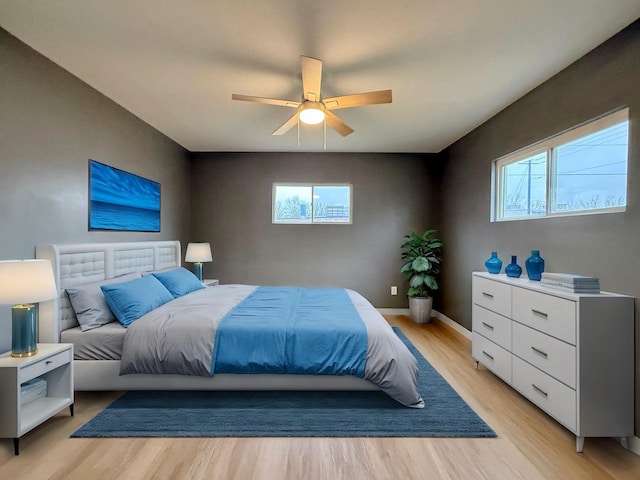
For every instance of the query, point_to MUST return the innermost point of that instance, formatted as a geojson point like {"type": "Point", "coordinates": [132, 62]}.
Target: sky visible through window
{"type": "Point", "coordinates": [592, 170]}
{"type": "Point", "coordinates": [588, 173]}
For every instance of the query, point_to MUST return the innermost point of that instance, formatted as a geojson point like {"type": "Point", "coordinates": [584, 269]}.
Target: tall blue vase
{"type": "Point", "coordinates": [534, 265]}
{"type": "Point", "coordinates": [513, 269]}
{"type": "Point", "coordinates": [493, 263]}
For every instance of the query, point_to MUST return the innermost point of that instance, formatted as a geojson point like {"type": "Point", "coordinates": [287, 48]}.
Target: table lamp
{"type": "Point", "coordinates": [23, 283]}
{"type": "Point", "coordinates": [198, 253]}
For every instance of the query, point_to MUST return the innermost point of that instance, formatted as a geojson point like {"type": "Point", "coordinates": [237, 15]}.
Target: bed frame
{"type": "Point", "coordinates": [77, 264]}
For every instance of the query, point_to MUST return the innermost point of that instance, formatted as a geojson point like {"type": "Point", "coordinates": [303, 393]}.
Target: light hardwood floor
{"type": "Point", "coordinates": [530, 444]}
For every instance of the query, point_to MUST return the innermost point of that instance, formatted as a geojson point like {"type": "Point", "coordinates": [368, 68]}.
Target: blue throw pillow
{"type": "Point", "coordinates": [130, 300]}
{"type": "Point", "coordinates": [179, 281]}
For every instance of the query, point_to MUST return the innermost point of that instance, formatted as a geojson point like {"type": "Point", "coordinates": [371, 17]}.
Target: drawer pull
{"type": "Point", "coordinates": [48, 362]}
{"type": "Point", "coordinates": [539, 313]}
{"type": "Point", "coordinates": [490, 327]}
{"type": "Point", "coordinates": [539, 352]}
{"type": "Point", "coordinates": [539, 390]}
{"type": "Point", "coordinates": [487, 354]}
{"type": "Point", "coordinates": [488, 295]}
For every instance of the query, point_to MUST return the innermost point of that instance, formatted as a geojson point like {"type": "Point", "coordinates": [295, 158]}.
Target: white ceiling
{"type": "Point", "coordinates": [452, 64]}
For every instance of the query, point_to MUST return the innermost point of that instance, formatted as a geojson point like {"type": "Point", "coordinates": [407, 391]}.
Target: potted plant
{"type": "Point", "coordinates": [421, 254]}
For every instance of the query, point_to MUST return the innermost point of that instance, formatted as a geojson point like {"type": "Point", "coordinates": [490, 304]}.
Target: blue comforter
{"type": "Point", "coordinates": [312, 331]}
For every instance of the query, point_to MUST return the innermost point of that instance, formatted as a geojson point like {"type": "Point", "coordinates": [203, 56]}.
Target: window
{"type": "Point", "coordinates": [581, 171]}
{"type": "Point", "coordinates": [307, 203]}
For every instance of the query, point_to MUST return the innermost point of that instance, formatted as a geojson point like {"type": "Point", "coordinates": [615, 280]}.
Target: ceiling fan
{"type": "Point", "coordinates": [313, 109]}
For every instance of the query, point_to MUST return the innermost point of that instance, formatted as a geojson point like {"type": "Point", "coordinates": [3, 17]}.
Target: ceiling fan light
{"type": "Point", "coordinates": [311, 113]}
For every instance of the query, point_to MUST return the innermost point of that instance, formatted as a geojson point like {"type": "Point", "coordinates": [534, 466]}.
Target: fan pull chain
{"type": "Point", "coordinates": [298, 130]}
{"type": "Point", "coordinates": [324, 136]}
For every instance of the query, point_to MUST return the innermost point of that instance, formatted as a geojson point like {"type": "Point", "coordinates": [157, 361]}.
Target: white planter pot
{"type": "Point", "coordinates": [420, 309]}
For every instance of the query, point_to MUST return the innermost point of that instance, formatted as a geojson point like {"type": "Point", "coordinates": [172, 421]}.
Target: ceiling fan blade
{"type": "Point", "coordinates": [337, 124]}
{"type": "Point", "coordinates": [358, 99]}
{"type": "Point", "coordinates": [286, 126]}
{"type": "Point", "coordinates": [311, 78]}
{"type": "Point", "coordinates": [269, 101]}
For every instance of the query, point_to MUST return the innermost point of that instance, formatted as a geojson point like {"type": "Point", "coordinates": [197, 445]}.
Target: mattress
{"type": "Point", "coordinates": [104, 343]}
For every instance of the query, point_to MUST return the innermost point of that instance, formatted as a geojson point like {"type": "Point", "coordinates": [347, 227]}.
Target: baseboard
{"type": "Point", "coordinates": [393, 311]}
{"type": "Point", "coordinates": [434, 313]}
{"type": "Point", "coordinates": [633, 444]}
{"type": "Point", "coordinates": [455, 325]}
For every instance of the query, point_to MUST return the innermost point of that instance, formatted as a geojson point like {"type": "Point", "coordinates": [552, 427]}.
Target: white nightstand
{"type": "Point", "coordinates": [53, 363]}
{"type": "Point", "coordinates": [210, 282]}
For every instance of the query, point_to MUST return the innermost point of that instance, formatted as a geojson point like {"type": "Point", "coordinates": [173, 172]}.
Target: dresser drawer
{"type": "Point", "coordinates": [494, 357]}
{"type": "Point", "coordinates": [553, 397]}
{"type": "Point", "coordinates": [45, 365]}
{"type": "Point", "coordinates": [546, 313]}
{"type": "Point", "coordinates": [549, 354]}
{"type": "Point", "coordinates": [492, 326]}
{"type": "Point", "coordinates": [492, 295]}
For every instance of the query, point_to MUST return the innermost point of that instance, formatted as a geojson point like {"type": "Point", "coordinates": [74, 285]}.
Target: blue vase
{"type": "Point", "coordinates": [513, 269]}
{"type": "Point", "coordinates": [493, 264]}
{"type": "Point", "coordinates": [534, 265]}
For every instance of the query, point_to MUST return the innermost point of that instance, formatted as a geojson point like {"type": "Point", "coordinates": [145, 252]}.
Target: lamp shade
{"type": "Point", "coordinates": [198, 252]}
{"type": "Point", "coordinates": [26, 281]}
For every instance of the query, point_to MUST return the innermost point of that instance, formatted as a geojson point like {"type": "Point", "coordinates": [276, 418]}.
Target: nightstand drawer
{"type": "Point", "coordinates": [492, 326]}
{"type": "Point", "coordinates": [546, 313]}
{"type": "Point", "coordinates": [494, 357]}
{"type": "Point", "coordinates": [45, 365]}
{"type": "Point", "coordinates": [494, 296]}
{"type": "Point", "coordinates": [553, 397]}
{"type": "Point", "coordinates": [549, 354]}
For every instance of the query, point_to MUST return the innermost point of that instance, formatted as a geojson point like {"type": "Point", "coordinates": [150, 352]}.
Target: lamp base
{"type": "Point", "coordinates": [197, 270]}
{"type": "Point", "coordinates": [24, 333]}
{"type": "Point", "coordinates": [24, 355]}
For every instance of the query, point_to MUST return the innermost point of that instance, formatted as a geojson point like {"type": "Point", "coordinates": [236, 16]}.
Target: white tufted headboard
{"type": "Point", "coordinates": [77, 264]}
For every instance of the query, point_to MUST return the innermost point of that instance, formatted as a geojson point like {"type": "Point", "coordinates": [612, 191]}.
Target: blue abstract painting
{"type": "Point", "coordinates": [120, 200]}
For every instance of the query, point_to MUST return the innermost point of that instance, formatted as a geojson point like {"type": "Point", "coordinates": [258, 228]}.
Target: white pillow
{"type": "Point", "coordinates": [89, 304]}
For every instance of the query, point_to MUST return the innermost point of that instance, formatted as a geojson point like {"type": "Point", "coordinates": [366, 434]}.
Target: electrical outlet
{"type": "Point", "coordinates": [394, 290]}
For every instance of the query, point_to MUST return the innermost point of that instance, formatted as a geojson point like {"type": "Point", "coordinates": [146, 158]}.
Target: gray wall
{"type": "Point", "coordinates": [392, 196]}
{"type": "Point", "coordinates": [605, 245]}
{"type": "Point", "coordinates": [51, 124]}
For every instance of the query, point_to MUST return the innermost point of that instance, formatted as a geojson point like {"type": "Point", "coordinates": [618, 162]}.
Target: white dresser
{"type": "Point", "coordinates": [570, 354]}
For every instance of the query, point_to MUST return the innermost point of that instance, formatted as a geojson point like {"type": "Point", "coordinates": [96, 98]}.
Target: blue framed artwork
{"type": "Point", "coordinates": [120, 200]}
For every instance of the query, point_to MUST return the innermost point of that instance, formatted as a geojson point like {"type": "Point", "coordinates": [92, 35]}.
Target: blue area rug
{"type": "Point", "coordinates": [290, 414]}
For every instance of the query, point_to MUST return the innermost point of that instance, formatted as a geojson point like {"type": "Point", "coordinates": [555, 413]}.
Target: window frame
{"type": "Point", "coordinates": [311, 185]}
{"type": "Point", "coordinates": [550, 146]}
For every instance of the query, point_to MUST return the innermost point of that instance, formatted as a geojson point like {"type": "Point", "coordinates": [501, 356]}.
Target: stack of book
{"type": "Point", "coordinates": [568, 282]}
{"type": "Point", "coordinates": [33, 390]}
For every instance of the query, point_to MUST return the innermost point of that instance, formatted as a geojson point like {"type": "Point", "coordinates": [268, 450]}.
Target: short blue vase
{"type": "Point", "coordinates": [493, 263]}
{"type": "Point", "coordinates": [513, 270]}
{"type": "Point", "coordinates": [534, 265]}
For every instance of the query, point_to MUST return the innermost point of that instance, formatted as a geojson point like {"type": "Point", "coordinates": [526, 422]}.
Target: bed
{"type": "Point", "coordinates": [102, 354]}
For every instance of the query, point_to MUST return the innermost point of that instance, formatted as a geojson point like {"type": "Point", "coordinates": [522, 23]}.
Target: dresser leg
{"type": "Point", "coordinates": [579, 444]}
{"type": "Point", "coordinates": [477, 364]}
{"type": "Point", "coordinates": [71, 409]}
{"type": "Point", "coordinates": [16, 446]}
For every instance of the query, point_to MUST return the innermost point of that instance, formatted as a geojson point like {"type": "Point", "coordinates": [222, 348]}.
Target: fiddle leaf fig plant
{"type": "Point", "coordinates": [421, 254]}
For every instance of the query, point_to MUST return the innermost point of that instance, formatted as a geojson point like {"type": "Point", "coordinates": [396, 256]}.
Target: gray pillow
{"type": "Point", "coordinates": [89, 304]}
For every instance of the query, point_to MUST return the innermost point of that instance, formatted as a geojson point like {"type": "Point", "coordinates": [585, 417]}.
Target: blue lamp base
{"type": "Point", "coordinates": [197, 270]}
{"type": "Point", "coordinates": [24, 333]}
